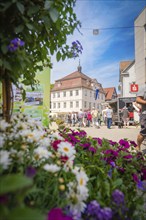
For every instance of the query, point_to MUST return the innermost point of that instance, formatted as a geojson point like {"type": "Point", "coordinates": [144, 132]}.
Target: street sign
{"type": "Point", "coordinates": [134, 88]}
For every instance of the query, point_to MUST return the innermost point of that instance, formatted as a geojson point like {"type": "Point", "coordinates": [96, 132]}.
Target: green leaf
{"type": "Point", "coordinates": [47, 4]}
{"type": "Point", "coordinates": [13, 182]}
{"type": "Point", "coordinates": [58, 56]}
{"type": "Point", "coordinates": [20, 7]}
{"type": "Point", "coordinates": [54, 14]}
{"type": "Point", "coordinates": [4, 48]}
{"type": "Point", "coordinates": [25, 214]}
{"type": "Point", "coordinates": [29, 26]}
{"type": "Point", "coordinates": [117, 183]}
{"type": "Point", "coordinates": [19, 29]}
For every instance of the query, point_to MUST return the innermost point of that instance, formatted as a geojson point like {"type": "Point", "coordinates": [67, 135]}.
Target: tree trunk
{"type": "Point", "coordinates": [6, 98]}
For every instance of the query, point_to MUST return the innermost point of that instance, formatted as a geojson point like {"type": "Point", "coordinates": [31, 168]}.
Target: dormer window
{"type": "Point", "coordinates": [59, 83]}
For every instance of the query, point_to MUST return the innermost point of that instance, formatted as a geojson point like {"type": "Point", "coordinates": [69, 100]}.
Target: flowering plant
{"type": "Point", "coordinates": [65, 175]}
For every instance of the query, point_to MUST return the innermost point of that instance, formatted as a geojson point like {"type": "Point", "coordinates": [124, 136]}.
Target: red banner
{"type": "Point", "coordinates": [134, 88]}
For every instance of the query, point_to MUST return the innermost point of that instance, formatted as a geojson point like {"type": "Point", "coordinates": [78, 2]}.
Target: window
{"type": "Point", "coordinates": [90, 93]}
{"type": "Point", "coordinates": [94, 105]}
{"type": "Point", "coordinates": [77, 104]}
{"type": "Point", "coordinates": [71, 93]}
{"type": "Point", "coordinates": [89, 105]}
{"type": "Point", "coordinates": [54, 105]}
{"type": "Point", "coordinates": [54, 95]}
{"type": "Point", "coordinates": [85, 104]}
{"type": "Point", "coordinates": [77, 92]}
{"type": "Point", "coordinates": [58, 94]}
{"type": "Point", "coordinates": [85, 92]}
{"type": "Point", "coordinates": [71, 104]}
{"type": "Point", "coordinates": [58, 105]}
{"type": "Point", "coordinates": [64, 104]}
{"type": "Point", "coordinates": [64, 94]}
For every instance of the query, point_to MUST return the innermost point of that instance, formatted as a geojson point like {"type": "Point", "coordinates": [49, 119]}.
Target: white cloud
{"type": "Point", "coordinates": [97, 60]}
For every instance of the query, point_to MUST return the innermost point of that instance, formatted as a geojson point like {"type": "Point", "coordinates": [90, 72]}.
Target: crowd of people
{"type": "Point", "coordinates": [89, 118]}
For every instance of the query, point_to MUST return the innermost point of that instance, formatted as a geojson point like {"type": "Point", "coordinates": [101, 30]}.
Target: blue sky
{"type": "Point", "coordinates": [102, 53]}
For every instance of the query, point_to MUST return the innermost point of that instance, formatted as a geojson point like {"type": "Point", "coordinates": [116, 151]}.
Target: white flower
{"type": "Point", "coordinates": [56, 135]}
{"type": "Point", "coordinates": [82, 178]}
{"type": "Point", "coordinates": [2, 141]}
{"type": "Point", "coordinates": [66, 149]}
{"type": "Point", "coordinates": [5, 161]}
{"type": "Point", "coordinates": [51, 168]}
{"type": "Point", "coordinates": [42, 152]}
{"type": "Point", "coordinates": [45, 142]}
{"type": "Point", "coordinates": [3, 125]}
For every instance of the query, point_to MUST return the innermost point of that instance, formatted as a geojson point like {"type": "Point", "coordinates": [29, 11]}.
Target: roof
{"type": "Point", "coordinates": [125, 64]}
{"type": "Point", "coordinates": [74, 75]}
{"type": "Point", "coordinates": [74, 80]}
{"type": "Point", "coordinates": [109, 92]}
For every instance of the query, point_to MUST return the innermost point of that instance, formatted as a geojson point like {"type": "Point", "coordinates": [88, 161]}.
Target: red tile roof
{"type": "Point", "coordinates": [74, 80]}
{"type": "Point", "coordinates": [109, 93]}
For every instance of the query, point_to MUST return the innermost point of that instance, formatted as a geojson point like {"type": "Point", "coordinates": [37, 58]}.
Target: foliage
{"type": "Point", "coordinates": [67, 175]}
{"type": "Point", "coordinates": [30, 32]}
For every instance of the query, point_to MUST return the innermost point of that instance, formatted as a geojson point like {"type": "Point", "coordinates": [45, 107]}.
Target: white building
{"type": "Point", "coordinates": [133, 73]}
{"type": "Point", "coordinates": [140, 48]}
{"type": "Point", "coordinates": [127, 78]}
{"type": "Point", "coordinates": [76, 91]}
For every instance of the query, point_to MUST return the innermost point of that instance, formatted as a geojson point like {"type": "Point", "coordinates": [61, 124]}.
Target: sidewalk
{"type": "Point", "coordinates": [114, 134]}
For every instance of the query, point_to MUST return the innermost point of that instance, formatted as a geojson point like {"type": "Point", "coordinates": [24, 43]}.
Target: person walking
{"type": "Point", "coordinates": [141, 99]}
{"type": "Point", "coordinates": [80, 118]}
{"type": "Point", "coordinates": [109, 115]}
{"type": "Point", "coordinates": [94, 114]}
{"type": "Point", "coordinates": [125, 116]}
{"type": "Point", "coordinates": [104, 115]}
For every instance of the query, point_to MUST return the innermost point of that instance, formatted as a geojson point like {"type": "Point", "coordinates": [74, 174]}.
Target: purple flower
{"type": "Point", "coordinates": [15, 44]}
{"type": "Point", "coordinates": [133, 143]}
{"type": "Point", "coordinates": [143, 173]}
{"type": "Point", "coordinates": [112, 163]}
{"type": "Point", "coordinates": [99, 141]}
{"type": "Point", "coordinates": [141, 185]}
{"type": "Point", "coordinates": [112, 142]}
{"type": "Point", "coordinates": [107, 213]}
{"type": "Point", "coordinates": [124, 143]}
{"type": "Point", "coordinates": [92, 149]}
{"type": "Point", "coordinates": [93, 208]}
{"type": "Point", "coordinates": [129, 156]}
{"type": "Point", "coordinates": [76, 48]}
{"type": "Point", "coordinates": [57, 214]}
{"type": "Point", "coordinates": [30, 172]}
{"type": "Point", "coordinates": [135, 177]}
{"type": "Point", "coordinates": [118, 197]}
{"type": "Point", "coordinates": [110, 173]}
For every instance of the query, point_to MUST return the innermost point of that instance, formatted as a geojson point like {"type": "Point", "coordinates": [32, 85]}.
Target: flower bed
{"type": "Point", "coordinates": [65, 175]}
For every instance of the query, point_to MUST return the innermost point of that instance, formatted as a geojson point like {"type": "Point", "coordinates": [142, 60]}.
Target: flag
{"type": "Point", "coordinates": [96, 93]}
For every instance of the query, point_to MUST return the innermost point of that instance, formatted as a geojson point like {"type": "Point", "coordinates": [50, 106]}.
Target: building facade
{"type": "Point", "coordinates": [127, 78]}
{"type": "Point", "coordinates": [140, 48]}
{"type": "Point", "coordinates": [133, 73]}
{"type": "Point", "coordinates": [76, 91]}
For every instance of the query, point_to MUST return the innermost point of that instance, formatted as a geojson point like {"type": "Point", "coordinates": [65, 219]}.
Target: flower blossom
{"type": "Point", "coordinates": [15, 44]}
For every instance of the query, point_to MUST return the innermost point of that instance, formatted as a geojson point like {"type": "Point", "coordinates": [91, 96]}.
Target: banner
{"type": "Point", "coordinates": [96, 93]}
{"type": "Point", "coordinates": [37, 102]}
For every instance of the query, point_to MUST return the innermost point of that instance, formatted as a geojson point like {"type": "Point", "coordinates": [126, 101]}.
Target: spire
{"type": "Point", "coordinates": [79, 67]}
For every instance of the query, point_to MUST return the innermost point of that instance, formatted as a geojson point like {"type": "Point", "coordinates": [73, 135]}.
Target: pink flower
{"type": "Point", "coordinates": [57, 214]}
{"type": "Point", "coordinates": [55, 144]}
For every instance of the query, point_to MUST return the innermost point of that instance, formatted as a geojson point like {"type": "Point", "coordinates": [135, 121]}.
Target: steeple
{"type": "Point", "coordinates": [79, 67]}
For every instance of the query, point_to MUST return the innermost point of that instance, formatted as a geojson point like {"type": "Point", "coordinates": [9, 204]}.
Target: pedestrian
{"type": "Point", "coordinates": [141, 99]}
{"type": "Point", "coordinates": [94, 114]}
{"type": "Point", "coordinates": [125, 116]}
{"type": "Point", "coordinates": [109, 115]}
{"type": "Point", "coordinates": [80, 118]}
{"type": "Point", "coordinates": [89, 118]}
{"type": "Point", "coordinates": [104, 115]}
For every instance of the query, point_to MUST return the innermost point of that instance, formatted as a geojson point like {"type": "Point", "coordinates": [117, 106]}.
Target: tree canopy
{"type": "Point", "coordinates": [30, 32]}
